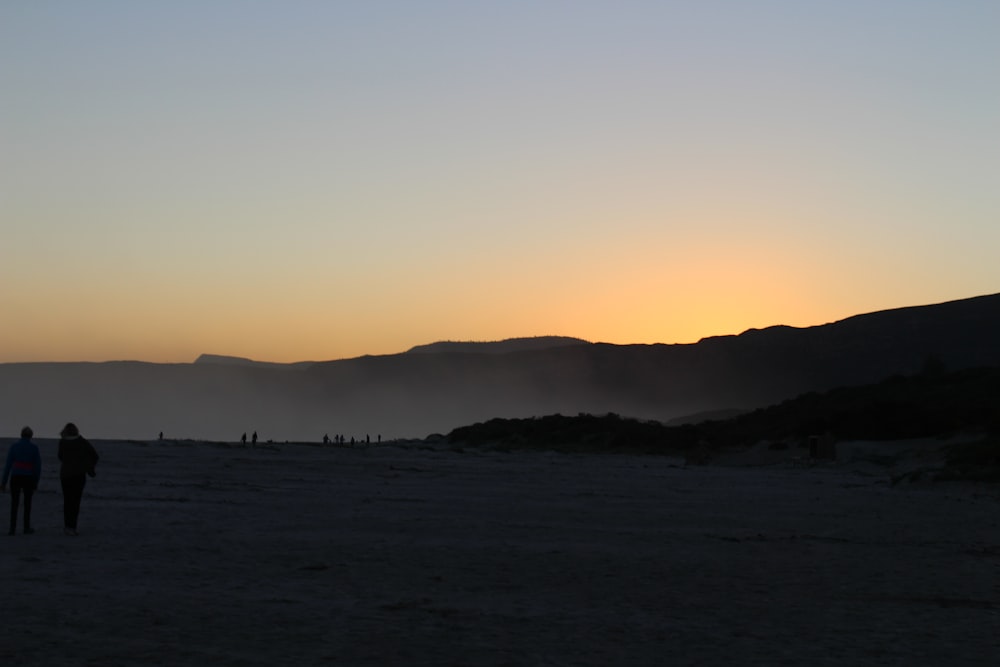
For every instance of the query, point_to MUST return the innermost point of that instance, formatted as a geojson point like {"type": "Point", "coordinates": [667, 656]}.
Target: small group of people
{"type": "Point", "coordinates": [24, 469]}
{"type": "Point", "coordinates": [340, 440]}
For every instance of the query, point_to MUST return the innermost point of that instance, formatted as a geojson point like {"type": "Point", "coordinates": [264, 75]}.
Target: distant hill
{"type": "Point", "coordinates": [498, 347]}
{"type": "Point", "coordinates": [416, 393]}
{"type": "Point", "coordinates": [224, 360]}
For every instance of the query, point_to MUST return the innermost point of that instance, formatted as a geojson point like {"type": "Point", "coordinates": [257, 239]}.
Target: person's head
{"type": "Point", "coordinates": [26, 432]}
{"type": "Point", "coordinates": [70, 431]}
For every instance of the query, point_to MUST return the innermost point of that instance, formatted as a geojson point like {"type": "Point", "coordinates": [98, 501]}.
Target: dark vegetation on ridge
{"type": "Point", "coordinates": [931, 404]}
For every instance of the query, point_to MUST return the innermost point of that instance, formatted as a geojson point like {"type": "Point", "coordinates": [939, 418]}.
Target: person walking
{"type": "Point", "coordinates": [23, 469]}
{"type": "Point", "coordinates": [79, 459]}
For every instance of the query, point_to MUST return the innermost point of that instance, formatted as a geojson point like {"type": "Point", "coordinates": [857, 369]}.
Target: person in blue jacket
{"type": "Point", "coordinates": [23, 469]}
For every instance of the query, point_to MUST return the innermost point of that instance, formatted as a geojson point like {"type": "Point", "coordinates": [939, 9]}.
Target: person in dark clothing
{"type": "Point", "coordinates": [23, 469]}
{"type": "Point", "coordinates": [79, 459]}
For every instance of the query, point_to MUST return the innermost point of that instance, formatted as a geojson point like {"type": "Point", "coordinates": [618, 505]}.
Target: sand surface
{"type": "Point", "coordinates": [202, 554]}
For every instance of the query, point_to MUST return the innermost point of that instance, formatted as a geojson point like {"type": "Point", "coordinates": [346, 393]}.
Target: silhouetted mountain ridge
{"type": "Point", "coordinates": [498, 347]}
{"type": "Point", "coordinates": [414, 394]}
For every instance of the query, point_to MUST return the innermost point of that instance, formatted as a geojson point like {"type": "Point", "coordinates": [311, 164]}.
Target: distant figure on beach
{"type": "Point", "coordinates": [79, 459]}
{"type": "Point", "coordinates": [244, 439]}
{"type": "Point", "coordinates": [24, 468]}
{"type": "Point", "coordinates": [254, 438]}
{"type": "Point", "coordinates": [161, 435]}
{"type": "Point", "coordinates": [326, 439]}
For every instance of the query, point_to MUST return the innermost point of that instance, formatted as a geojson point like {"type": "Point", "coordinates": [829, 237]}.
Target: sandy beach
{"type": "Point", "coordinates": [199, 553]}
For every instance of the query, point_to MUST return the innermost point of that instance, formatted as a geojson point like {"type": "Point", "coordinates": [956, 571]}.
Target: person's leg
{"type": "Point", "coordinates": [73, 494]}
{"type": "Point", "coordinates": [67, 503]}
{"type": "Point", "coordinates": [80, 483]}
{"type": "Point", "coordinates": [29, 492]}
{"type": "Point", "coordinates": [15, 501]}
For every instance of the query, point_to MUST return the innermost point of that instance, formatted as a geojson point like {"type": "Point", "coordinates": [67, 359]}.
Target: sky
{"type": "Point", "coordinates": [293, 181]}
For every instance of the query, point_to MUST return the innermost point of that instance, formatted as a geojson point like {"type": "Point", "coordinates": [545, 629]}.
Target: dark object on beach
{"type": "Point", "coordinates": [823, 447]}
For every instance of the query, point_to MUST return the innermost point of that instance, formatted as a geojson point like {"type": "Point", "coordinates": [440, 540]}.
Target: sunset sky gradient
{"type": "Point", "coordinates": [318, 180]}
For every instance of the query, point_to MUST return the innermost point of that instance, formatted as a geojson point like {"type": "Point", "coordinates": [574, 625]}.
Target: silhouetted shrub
{"type": "Point", "coordinates": [931, 404]}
